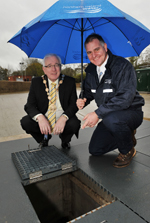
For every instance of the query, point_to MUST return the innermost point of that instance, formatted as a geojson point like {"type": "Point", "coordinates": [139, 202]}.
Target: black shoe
{"type": "Point", "coordinates": [44, 142]}
{"type": "Point", "coordinates": [65, 145]}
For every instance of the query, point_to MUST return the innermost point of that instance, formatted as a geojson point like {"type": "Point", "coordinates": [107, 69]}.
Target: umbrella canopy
{"type": "Point", "coordinates": [63, 28]}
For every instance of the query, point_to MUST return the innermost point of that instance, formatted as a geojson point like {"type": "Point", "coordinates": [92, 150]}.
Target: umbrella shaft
{"type": "Point", "coordinates": [81, 57]}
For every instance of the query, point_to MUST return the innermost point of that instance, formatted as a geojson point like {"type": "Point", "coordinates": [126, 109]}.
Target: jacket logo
{"type": "Point", "coordinates": [107, 81]}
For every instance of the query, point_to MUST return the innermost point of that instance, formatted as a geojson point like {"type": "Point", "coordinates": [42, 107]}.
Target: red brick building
{"type": "Point", "coordinates": [20, 78]}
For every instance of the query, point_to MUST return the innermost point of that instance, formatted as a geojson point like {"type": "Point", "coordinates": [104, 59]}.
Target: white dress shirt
{"type": "Point", "coordinates": [102, 69]}
{"type": "Point", "coordinates": [59, 110]}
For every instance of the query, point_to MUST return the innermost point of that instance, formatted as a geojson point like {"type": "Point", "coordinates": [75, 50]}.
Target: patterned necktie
{"type": "Point", "coordinates": [52, 106]}
{"type": "Point", "coordinates": [99, 76]}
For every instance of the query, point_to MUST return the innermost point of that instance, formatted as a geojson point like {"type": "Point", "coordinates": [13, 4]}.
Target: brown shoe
{"type": "Point", "coordinates": [124, 160]}
{"type": "Point", "coordinates": [133, 138]}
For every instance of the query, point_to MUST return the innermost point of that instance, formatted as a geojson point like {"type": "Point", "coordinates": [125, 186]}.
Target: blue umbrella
{"type": "Point", "coordinates": [63, 28]}
{"type": "Point", "coordinates": [60, 28]}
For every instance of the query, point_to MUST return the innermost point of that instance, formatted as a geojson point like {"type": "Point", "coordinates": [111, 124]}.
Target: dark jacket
{"type": "Point", "coordinates": [117, 89]}
{"type": "Point", "coordinates": [38, 101]}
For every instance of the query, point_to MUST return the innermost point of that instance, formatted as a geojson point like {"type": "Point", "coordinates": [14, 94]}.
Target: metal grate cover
{"type": "Point", "coordinates": [34, 163]}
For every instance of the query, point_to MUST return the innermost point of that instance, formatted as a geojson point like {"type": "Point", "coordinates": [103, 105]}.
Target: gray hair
{"type": "Point", "coordinates": [51, 55]}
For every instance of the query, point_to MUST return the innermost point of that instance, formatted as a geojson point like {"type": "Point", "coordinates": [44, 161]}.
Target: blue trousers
{"type": "Point", "coordinates": [115, 131]}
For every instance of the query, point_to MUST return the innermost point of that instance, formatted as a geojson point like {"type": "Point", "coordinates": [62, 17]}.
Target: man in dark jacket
{"type": "Point", "coordinates": [111, 82]}
{"type": "Point", "coordinates": [40, 103]}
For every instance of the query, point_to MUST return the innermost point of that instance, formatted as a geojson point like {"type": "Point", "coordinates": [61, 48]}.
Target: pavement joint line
{"type": "Point", "coordinates": [24, 136]}
{"type": "Point", "coordinates": [15, 137]}
{"type": "Point", "coordinates": [148, 119]}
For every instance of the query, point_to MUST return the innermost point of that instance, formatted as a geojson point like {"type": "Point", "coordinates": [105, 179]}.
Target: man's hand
{"type": "Point", "coordinates": [90, 119]}
{"type": "Point", "coordinates": [60, 125]}
{"type": "Point", "coordinates": [80, 103]}
{"type": "Point", "coordinates": [44, 125]}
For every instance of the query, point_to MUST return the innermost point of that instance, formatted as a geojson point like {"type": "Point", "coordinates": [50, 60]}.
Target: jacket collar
{"type": "Point", "coordinates": [109, 59]}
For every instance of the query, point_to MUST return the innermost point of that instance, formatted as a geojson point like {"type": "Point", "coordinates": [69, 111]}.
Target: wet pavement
{"type": "Point", "coordinates": [12, 110]}
{"type": "Point", "coordinates": [130, 186]}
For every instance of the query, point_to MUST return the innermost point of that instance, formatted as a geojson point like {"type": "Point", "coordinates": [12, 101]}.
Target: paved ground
{"type": "Point", "coordinates": [12, 109]}
{"type": "Point", "coordinates": [130, 185]}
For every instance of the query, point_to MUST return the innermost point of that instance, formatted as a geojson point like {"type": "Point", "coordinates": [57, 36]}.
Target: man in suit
{"type": "Point", "coordinates": [36, 121]}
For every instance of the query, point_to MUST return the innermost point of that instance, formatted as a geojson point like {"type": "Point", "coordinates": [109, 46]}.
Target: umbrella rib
{"type": "Point", "coordinates": [69, 41]}
{"type": "Point", "coordinates": [68, 27]}
{"type": "Point", "coordinates": [91, 25]}
{"type": "Point", "coordinates": [85, 25]}
{"type": "Point", "coordinates": [50, 27]}
{"type": "Point", "coordinates": [122, 33]}
{"type": "Point", "coordinates": [88, 28]}
{"type": "Point", "coordinates": [78, 25]}
{"type": "Point", "coordinates": [42, 37]}
{"type": "Point", "coordinates": [108, 21]}
{"type": "Point", "coordinates": [75, 28]}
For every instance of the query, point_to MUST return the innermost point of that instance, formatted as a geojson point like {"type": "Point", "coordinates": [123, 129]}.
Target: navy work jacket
{"type": "Point", "coordinates": [117, 89]}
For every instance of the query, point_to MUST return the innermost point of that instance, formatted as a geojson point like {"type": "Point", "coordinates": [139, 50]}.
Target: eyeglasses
{"type": "Point", "coordinates": [57, 65]}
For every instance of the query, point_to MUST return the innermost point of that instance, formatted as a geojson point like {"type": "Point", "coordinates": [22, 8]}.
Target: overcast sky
{"type": "Point", "coordinates": [16, 14]}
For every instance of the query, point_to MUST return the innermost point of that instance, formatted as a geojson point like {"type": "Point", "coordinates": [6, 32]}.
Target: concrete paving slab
{"type": "Point", "coordinates": [130, 185]}
{"type": "Point", "coordinates": [12, 110]}
{"type": "Point", "coordinates": [109, 214]}
{"type": "Point", "coordinates": [146, 107]}
{"type": "Point", "coordinates": [14, 203]}
{"type": "Point", "coordinates": [143, 159]}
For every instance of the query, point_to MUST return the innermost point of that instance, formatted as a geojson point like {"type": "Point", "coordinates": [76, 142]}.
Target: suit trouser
{"type": "Point", "coordinates": [115, 131]}
{"type": "Point", "coordinates": [31, 127]}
